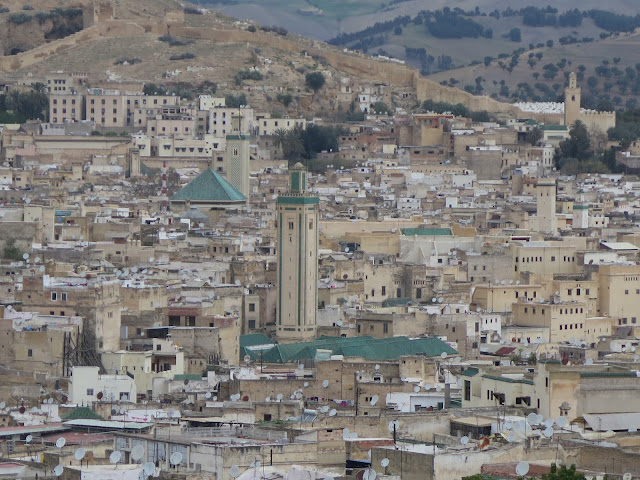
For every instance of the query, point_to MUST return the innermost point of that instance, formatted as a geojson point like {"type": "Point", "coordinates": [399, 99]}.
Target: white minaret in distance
{"type": "Point", "coordinates": [546, 205]}
{"type": "Point", "coordinates": [297, 260]}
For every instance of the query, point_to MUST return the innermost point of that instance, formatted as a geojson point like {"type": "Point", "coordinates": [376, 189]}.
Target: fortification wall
{"type": "Point", "coordinates": [42, 52]}
{"type": "Point", "coordinates": [602, 121]}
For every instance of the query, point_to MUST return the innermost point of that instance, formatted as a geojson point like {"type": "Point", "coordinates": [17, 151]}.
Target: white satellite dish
{"type": "Point", "coordinates": [522, 468]}
{"type": "Point", "coordinates": [416, 389]}
{"type": "Point", "coordinates": [374, 400]}
{"type": "Point", "coordinates": [137, 453]}
{"type": "Point", "coordinates": [369, 474]}
{"type": "Point", "coordinates": [58, 470]}
{"type": "Point", "coordinates": [29, 438]}
{"type": "Point", "coordinates": [300, 366]}
{"type": "Point", "coordinates": [464, 440]}
{"type": "Point", "coordinates": [393, 425]}
{"type": "Point", "coordinates": [346, 433]}
{"type": "Point", "coordinates": [333, 412]}
{"type": "Point", "coordinates": [80, 453]}
{"type": "Point", "coordinates": [207, 395]}
{"type": "Point", "coordinates": [25, 256]}
{"type": "Point", "coordinates": [443, 355]}
{"type": "Point", "coordinates": [41, 268]}
{"type": "Point", "coordinates": [36, 260]}
{"type": "Point", "coordinates": [279, 397]}
{"type": "Point", "coordinates": [384, 462]}
{"type": "Point", "coordinates": [532, 418]}
{"type": "Point", "coordinates": [548, 432]}
{"type": "Point", "coordinates": [234, 471]}
{"type": "Point", "coordinates": [306, 384]}
{"type": "Point", "coordinates": [324, 409]}
{"type": "Point", "coordinates": [427, 387]}
{"type": "Point", "coordinates": [325, 383]}
{"type": "Point", "coordinates": [457, 359]}
{"type": "Point", "coordinates": [61, 442]}
{"type": "Point", "coordinates": [561, 422]}
{"type": "Point", "coordinates": [438, 388]}
{"type": "Point", "coordinates": [149, 468]}
{"type": "Point", "coordinates": [508, 425]}
{"type": "Point", "coordinates": [548, 422]}
{"type": "Point", "coordinates": [627, 476]}
{"type": "Point", "coordinates": [115, 457]}
{"type": "Point", "coordinates": [175, 458]}
{"type": "Point", "coordinates": [589, 361]}
{"type": "Point", "coordinates": [123, 410]}
{"type": "Point", "coordinates": [377, 367]}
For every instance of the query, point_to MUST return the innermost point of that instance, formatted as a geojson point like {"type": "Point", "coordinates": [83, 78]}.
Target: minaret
{"type": "Point", "coordinates": [297, 259]}
{"type": "Point", "coordinates": [546, 205]}
{"type": "Point", "coordinates": [571, 101]}
{"type": "Point", "coordinates": [237, 168]}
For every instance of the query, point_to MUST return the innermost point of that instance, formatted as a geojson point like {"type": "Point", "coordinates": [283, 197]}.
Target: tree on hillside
{"type": "Point", "coordinates": [314, 80]}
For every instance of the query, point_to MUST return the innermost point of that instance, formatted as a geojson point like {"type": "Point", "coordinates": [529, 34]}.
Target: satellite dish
{"type": "Point", "coordinates": [149, 468]}
{"type": "Point", "coordinates": [80, 453]}
{"type": "Point", "coordinates": [115, 457]}
{"type": "Point", "coordinates": [443, 355]}
{"type": "Point", "coordinates": [36, 260]}
{"type": "Point", "coordinates": [511, 438]}
{"type": "Point", "coordinates": [25, 256]}
{"type": "Point", "coordinates": [384, 462]}
{"type": "Point", "coordinates": [58, 470]}
{"type": "Point", "coordinates": [300, 366]}
{"type": "Point", "coordinates": [268, 399]}
{"type": "Point", "coordinates": [377, 367]}
{"type": "Point", "coordinates": [346, 433]}
{"type": "Point", "coordinates": [306, 384]}
{"type": "Point", "coordinates": [532, 418]}
{"type": "Point", "coordinates": [61, 442]}
{"type": "Point", "coordinates": [589, 361]}
{"type": "Point", "coordinates": [29, 438]}
{"type": "Point", "coordinates": [325, 383]}
{"type": "Point", "coordinates": [176, 458]}
{"type": "Point", "coordinates": [279, 397]}
{"type": "Point", "coordinates": [561, 422]}
{"type": "Point", "coordinates": [137, 453]}
{"type": "Point", "coordinates": [207, 395]}
{"type": "Point", "coordinates": [427, 387]}
{"type": "Point", "coordinates": [393, 425]}
{"type": "Point", "coordinates": [548, 422]}
{"type": "Point", "coordinates": [438, 388]}
{"type": "Point", "coordinates": [626, 476]}
{"type": "Point", "coordinates": [548, 432]}
{"type": "Point", "coordinates": [464, 440]}
{"type": "Point", "coordinates": [247, 358]}
{"type": "Point", "coordinates": [333, 412]}
{"type": "Point", "coordinates": [539, 419]}
{"type": "Point", "coordinates": [522, 468]}
{"type": "Point", "coordinates": [478, 309]}
{"type": "Point", "coordinates": [369, 474]}
{"type": "Point", "coordinates": [374, 400]}
{"type": "Point", "coordinates": [416, 389]}
{"type": "Point", "coordinates": [457, 359]}
{"type": "Point", "coordinates": [324, 409]}
{"type": "Point", "coordinates": [123, 410]}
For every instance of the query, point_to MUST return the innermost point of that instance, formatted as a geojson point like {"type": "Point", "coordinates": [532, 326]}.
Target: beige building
{"type": "Point", "coordinates": [297, 259]}
{"type": "Point", "coordinates": [64, 107]}
{"type": "Point", "coordinates": [106, 108]}
{"type": "Point", "coordinates": [266, 125]}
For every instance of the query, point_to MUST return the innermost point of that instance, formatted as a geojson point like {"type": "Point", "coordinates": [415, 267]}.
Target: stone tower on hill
{"type": "Point", "coordinates": [297, 260]}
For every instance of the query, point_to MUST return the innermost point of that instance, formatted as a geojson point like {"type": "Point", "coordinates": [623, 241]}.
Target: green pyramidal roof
{"type": "Point", "coordinates": [209, 187]}
{"type": "Point", "coordinates": [84, 413]}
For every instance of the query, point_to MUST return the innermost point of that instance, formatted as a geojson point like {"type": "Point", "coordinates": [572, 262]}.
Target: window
{"type": "Point", "coordinates": [290, 225]}
{"type": "Point", "coordinates": [467, 390]}
{"type": "Point", "coordinates": [418, 293]}
{"type": "Point", "coordinates": [54, 296]}
{"type": "Point", "coordinates": [89, 391]}
{"type": "Point", "coordinates": [64, 296]}
{"type": "Point", "coordinates": [385, 328]}
{"type": "Point", "coordinates": [384, 290]}
{"type": "Point", "coordinates": [252, 307]}
{"type": "Point", "coordinates": [29, 353]}
{"type": "Point", "coordinates": [252, 324]}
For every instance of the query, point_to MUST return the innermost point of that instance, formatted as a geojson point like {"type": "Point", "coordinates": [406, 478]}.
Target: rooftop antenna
{"type": "Point", "coordinates": [522, 468]}
{"type": "Point", "coordinates": [149, 469]}
{"type": "Point", "coordinates": [115, 457]}
{"type": "Point", "coordinates": [137, 453]}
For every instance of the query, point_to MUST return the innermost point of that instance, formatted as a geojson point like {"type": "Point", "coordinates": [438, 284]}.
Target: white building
{"type": "Point", "coordinates": [86, 384]}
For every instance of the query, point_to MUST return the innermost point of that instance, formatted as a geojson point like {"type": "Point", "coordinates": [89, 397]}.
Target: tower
{"type": "Point", "coordinates": [297, 259]}
{"type": "Point", "coordinates": [571, 101]}
{"type": "Point", "coordinates": [580, 216]}
{"type": "Point", "coordinates": [546, 205]}
{"type": "Point", "coordinates": [237, 167]}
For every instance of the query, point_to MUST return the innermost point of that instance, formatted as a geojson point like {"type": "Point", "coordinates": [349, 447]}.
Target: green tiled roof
{"type": "Point", "coordinates": [365, 346]}
{"type": "Point", "coordinates": [208, 187]}
{"type": "Point", "coordinates": [555, 127]}
{"type": "Point", "coordinates": [187, 376]}
{"type": "Point", "coordinates": [508, 380]}
{"type": "Point", "coordinates": [397, 302]}
{"type": "Point", "coordinates": [469, 372]}
{"type": "Point", "coordinates": [426, 231]}
{"type": "Point", "coordinates": [82, 413]}
{"type": "Point", "coordinates": [607, 374]}
{"type": "Point", "coordinates": [252, 339]}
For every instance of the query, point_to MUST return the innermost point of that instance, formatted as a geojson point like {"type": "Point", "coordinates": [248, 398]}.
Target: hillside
{"type": "Point", "coordinates": [324, 19]}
